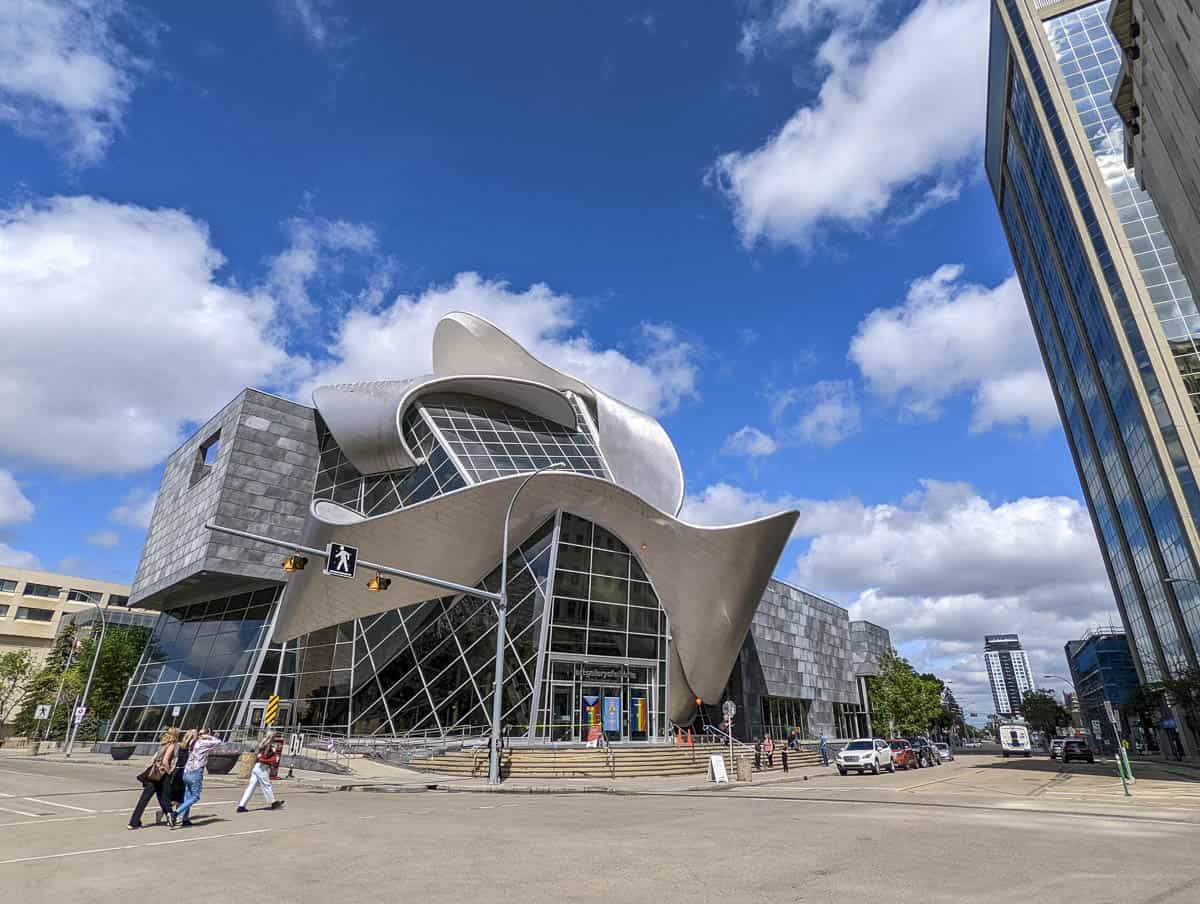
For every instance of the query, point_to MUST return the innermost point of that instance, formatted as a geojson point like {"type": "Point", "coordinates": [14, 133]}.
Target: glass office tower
{"type": "Point", "coordinates": [1114, 317]}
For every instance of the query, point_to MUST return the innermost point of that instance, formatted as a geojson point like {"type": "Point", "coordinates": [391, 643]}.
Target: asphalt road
{"type": "Point", "coordinates": [979, 829]}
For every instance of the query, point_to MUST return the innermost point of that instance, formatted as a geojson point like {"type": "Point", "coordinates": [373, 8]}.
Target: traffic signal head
{"type": "Point", "coordinates": [378, 583]}
{"type": "Point", "coordinates": [294, 563]}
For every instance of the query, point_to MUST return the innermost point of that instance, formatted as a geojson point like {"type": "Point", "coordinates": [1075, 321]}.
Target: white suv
{"type": "Point", "coordinates": [865, 754]}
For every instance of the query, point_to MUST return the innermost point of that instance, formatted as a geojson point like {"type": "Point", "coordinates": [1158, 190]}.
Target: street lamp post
{"type": "Point", "coordinates": [87, 687]}
{"type": "Point", "coordinates": [501, 618]}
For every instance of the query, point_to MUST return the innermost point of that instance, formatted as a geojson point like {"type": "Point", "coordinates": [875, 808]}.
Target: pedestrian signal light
{"type": "Point", "coordinates": [294, 563]}
{"type": "Point", "coordinates": [378, 583]}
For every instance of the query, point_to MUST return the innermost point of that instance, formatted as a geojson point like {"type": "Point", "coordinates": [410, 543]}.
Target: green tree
{"type": "Point", "coordinates": [119, 657]}
{"type": "Point", "coordinates": [1043, 712]}
{"type": "Point", "coordinates": [16, 668]}
{"type": "Point", "coordinates": [902, 698]}
{"type": "Point", "coordinates": [1145, 705]}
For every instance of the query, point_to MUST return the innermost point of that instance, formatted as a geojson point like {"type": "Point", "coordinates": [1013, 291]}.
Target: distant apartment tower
{"type": "Point", "coordinates": [1157, 94]}
{"type": "Point", "coordinates": [1114, 317]}
{"type": "Point", "coordinates": [1008, 672]}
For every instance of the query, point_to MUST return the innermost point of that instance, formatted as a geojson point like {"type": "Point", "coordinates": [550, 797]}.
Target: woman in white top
{"type": "Point", "coordinates": [201, 745]}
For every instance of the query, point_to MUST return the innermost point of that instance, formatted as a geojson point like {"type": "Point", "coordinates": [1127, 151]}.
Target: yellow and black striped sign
{"type": "Point", "coordinates": [272, 713]}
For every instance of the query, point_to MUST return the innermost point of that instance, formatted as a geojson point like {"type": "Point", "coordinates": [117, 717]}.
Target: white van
{"type": "Point", "coordinates": [1014, 740]}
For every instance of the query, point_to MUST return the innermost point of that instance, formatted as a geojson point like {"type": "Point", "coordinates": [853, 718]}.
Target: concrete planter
{"type": "Point", "coordinates": [121, 751]}
{"type": "Point", "coordinates": [221, 763]}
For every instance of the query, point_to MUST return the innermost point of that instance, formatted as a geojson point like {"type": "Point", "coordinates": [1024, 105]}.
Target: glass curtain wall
{"type": "Point", "coordinates": [199, 659]}
{"type": "Point", "coordinates": [783, 715]}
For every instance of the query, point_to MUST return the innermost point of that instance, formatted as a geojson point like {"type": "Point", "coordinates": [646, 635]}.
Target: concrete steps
{"type": "Point", "coordinates": [626, 762]}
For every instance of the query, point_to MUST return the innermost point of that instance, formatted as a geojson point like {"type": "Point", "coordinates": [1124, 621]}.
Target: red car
{"type": "Point", "coordinates": [903, 754]}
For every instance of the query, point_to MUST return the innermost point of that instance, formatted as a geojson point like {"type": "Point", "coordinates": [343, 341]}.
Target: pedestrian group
{"type": "Point", "coordinates": [175, 776]}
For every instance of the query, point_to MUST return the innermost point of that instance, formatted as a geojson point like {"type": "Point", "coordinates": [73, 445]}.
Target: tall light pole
{"type": "Point", "coordinates": [502, 616]}
{"type": "Point", "coordinates": [88, 687]}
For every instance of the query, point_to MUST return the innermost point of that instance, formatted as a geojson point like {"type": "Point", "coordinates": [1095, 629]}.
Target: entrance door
{"type": "Point", "coordinates": [258, 709]}
{"type": "Point", "coordinates": [562, 712]}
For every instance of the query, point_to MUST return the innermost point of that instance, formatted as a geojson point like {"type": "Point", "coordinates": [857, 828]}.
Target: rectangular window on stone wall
{"type": "Point", "coordinates": [206, 457]}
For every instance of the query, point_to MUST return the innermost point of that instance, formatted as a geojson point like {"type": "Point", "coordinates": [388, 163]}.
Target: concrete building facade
{"type": "Point", "coordinates": [1157, 96]}
{"type": "Point", "coordinates": [1008, 671]}
{"type": "Point", "coordinates": [35, 606]}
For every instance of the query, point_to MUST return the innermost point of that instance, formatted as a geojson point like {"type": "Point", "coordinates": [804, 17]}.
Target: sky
{"type": "Point", "coordinates": [765, 223]}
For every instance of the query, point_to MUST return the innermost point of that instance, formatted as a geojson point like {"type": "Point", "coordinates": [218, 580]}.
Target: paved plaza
{"type": "Point", "coordinates": [982, 828]}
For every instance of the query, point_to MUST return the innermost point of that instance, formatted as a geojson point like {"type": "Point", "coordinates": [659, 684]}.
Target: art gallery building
{"type": "Point", "coordinates": [612, 598]}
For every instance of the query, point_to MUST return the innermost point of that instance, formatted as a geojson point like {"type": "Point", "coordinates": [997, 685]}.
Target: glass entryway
{"type": "Point", "coordinates": [618, 702]}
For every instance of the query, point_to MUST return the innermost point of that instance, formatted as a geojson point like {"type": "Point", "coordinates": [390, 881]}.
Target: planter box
{"type": "Point", "coordinates": [221, 763]}
{"type": "Point", "coordinates": [121, 751]}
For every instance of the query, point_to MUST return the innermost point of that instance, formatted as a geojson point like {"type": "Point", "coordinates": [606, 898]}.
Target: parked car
{"type": "Point", "coordinates": [926, 754]}
{"type": "Point", "coordinates": [865, 755]}
{"type": "Point", "coordinates": [944, 752]}
{"type": "Point", "coordinates": [903, 754]}
{"type": "Point", "coordinates": [1056, 746]}
{"type": "Point", "coordinates": [1077, 749]}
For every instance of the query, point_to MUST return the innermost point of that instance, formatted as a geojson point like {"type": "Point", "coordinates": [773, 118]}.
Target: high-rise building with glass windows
{"type": "Point", "coordinates": [615, 604]}
{"type": "Point", "coordinates": [1113, 314]}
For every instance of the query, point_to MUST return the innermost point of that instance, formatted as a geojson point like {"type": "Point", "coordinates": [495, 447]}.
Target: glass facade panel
{"type": "Point", "coordinates": [494, 440]}
{"type": "Point", "coordinates": [1137, 517]}
{"type": "Point", "coordinates": [179, 670]}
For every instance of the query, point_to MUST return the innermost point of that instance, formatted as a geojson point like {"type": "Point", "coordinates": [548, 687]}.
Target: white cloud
{"type": "Point", "coordinates": [316, 245]}
{"type": "Point", "coordinates": [105, 539]}
{"type": "Point", "coordinates": [750, 442]}
{"type": "Point", "coordinates": [824, 414]}
{"type": "Point", "coordinates": [783, 20]}
{"type": "Point", "coordinates": [317, 20]}
{"type": "Point", "coordinates": [135, 509]}
{"type": "Point", "coordinates": [831, 414]}
{"type": "Point", "coordinates": [15, 507]}
{"type": "Point", "coordinates": [395, 340]}
{"type": "Point", "coordinates": [18, 558]}
{"type": "Point", "coordinates": [65, 78]}
{"type": "Point", "coordinates": [888, 118]}
{"type": "Point", "coordinates": [144, 338]}
{"type": "Point", "coordinates": [943, 567]}
{"type": "Point", "coordinates": [950, 336]}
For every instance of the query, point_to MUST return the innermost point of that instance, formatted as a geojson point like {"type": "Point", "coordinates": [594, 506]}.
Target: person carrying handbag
{"type": "Point", "coordinates": [156, 779]}
{"type": "Point", "coordinates": [266, 757]}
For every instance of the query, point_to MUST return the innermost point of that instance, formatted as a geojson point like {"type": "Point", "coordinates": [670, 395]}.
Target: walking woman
{"type": "Point", "coordinates": [193, 776]}
{"type": "Point", "coordinates": [175, 786]}
{"type": "Point", "coordinates": [266, 758]}
{"type": "Point", "coordinates": [156, 778]}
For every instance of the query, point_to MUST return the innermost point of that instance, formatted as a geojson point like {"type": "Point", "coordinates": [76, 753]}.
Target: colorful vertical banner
{"type": "Point", "coordinates": [639, 714]}
{"type": "Point", "coordinates": [591, 711]}
{"type": "Point", "coordinates": [612, 714]}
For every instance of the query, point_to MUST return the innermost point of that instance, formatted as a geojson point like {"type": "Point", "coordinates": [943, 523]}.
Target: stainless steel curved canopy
{"type": "Point", "coordinates": [366, 418]}
{"type": "Point", "coordinates": [709, 580]}
{"type": "Point", "coordinates": [639, 452]}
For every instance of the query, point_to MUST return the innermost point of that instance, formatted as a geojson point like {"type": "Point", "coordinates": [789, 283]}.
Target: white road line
{"type": "Point", "coordinates": [38, 822]}
{"type": "Point", "coordinates": [124, 847]}
{"type": "Point", "coordinates": [50, 803]}
{"type": "Point", "coordinates": [19, 812]}
{"type": "Point", "coordinates": [128, 847]}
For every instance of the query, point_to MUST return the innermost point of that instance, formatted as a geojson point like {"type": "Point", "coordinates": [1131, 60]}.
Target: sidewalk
{"type": "Point", "coordinates": [377, 776]}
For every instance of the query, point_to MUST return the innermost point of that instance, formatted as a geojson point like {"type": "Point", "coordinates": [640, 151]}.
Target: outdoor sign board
{"type": "Point", "coordinates": [341, 560]}
{"type": "Point", "coordinates": [716, 769]}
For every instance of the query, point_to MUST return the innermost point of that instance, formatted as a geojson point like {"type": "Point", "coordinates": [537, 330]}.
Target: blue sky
{"type": "Point", "coordinates": [700, 206]}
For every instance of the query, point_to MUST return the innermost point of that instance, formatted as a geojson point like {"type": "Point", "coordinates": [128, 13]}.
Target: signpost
{"type": "Point", "coordinates": [80, 712]}
{"type": "Point", "coordinates": [176, 711]}
{"type": "Point", "coordinates": [272, 713]}
{"type": "Point", "coordinates": [729, 708]}
{"type": "Point", "coordinates": [43, 711]}
{"type": "Point", "coordinates": [341, 560]}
